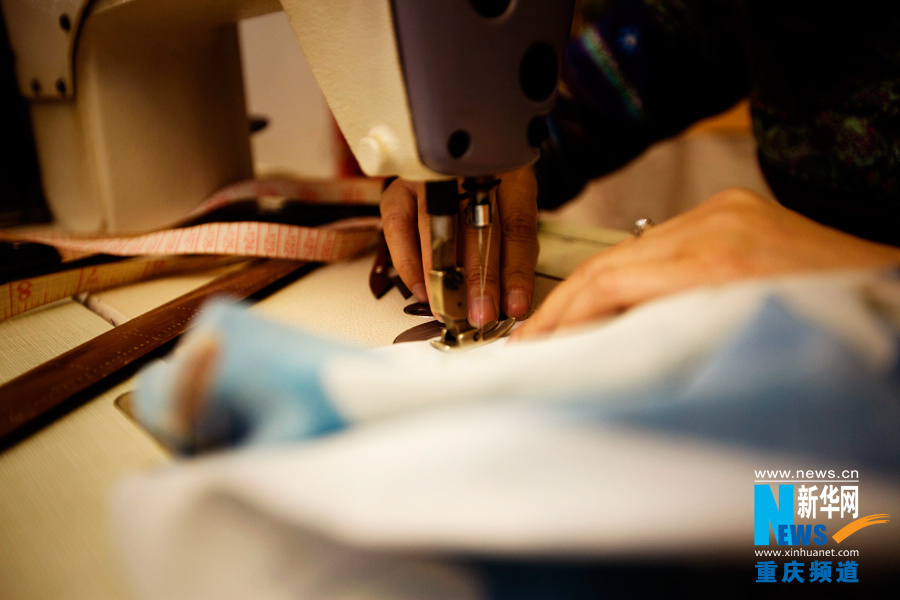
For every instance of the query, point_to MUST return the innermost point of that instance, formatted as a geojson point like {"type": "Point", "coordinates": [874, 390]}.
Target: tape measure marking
{"type": "Point", "coordinates": [333, 242]}
{"type": "Point", "coordinates": [245, 238]}
{"type": "Point", "coordinates": [26, 294]}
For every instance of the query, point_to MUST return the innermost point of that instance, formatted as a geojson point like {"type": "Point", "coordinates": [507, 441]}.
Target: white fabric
{"type": "Point", "coordinates": [464, 454]}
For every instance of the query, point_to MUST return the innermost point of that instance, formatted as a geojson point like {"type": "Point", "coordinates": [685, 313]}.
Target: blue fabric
{"type": "Point", "coordinates": [782, 384]}
{"type": "Point", "coordinates": [266, 386]}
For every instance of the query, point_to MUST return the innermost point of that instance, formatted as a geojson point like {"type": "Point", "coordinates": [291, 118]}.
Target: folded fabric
{"type": "Point", "coordinates": [359, 473]}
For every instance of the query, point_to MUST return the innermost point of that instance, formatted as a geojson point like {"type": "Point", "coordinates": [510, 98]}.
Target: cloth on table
{"type": "Point", "coordinates": [401, 472]}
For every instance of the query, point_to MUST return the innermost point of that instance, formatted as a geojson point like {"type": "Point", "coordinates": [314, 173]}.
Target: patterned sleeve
{"type": "Point", "coordinates": [639, 71]}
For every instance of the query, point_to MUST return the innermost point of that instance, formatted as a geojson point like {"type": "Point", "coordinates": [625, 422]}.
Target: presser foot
{"type": "Point", "coordinates": [466, 339]}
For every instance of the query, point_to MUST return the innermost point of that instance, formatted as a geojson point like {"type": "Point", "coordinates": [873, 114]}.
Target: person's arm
{"type": "Point", "coordinates": [638, 73]}
{"type": "Point", "coordinates": [736, 234]}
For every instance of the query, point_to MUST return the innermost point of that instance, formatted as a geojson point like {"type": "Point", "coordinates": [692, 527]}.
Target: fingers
{"type": "Point", "coordinates": [174, 400]}
{"type": "Point", "coordinates": [402, 221]}
{"type": "Point", "coordinates": [481, 263]}
{"type": "Point", "coordinates": [601, 292]}
{"type": "Point", "coordinates": [499, 269]}
{"type": "Point", "coordinates": [502, 280]}
{"type": "Point", "coordinates": [518, 213]}
{"type": "Point", "coordinates": [193, 380]}
{"type": "Point", "coordinates": [736, 234]}
{"type": "Point", "coordinates": [710, 243]}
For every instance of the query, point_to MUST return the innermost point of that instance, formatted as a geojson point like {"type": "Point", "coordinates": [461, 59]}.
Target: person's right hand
{"type": "Point", "coordinates": [509, 280]}
{"type": "Point", "coordinates": [735, 235]}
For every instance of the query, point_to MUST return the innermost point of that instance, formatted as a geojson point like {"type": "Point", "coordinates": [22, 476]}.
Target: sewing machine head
{"type": "Point", "coordinates": [138, 112]}
{"type": "Point", "coordinates": [138, 109]}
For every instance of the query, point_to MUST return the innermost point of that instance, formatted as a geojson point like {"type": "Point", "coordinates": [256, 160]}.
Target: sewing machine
{"type": "Point", "coordinates": [56, 483]}
{"type": "Point", "coordinates": [138, 111]}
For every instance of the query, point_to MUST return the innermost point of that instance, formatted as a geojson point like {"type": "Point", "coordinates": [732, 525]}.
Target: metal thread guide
{"type": "Point", "coordinates": [448, 283]}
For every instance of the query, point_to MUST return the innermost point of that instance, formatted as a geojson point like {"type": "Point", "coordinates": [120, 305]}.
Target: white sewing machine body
{"type": "Point", "coordinates": [138, 109]}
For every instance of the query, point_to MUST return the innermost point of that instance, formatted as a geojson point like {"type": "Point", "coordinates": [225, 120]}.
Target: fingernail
{"type": "Point", "coordinates": [481, 311]}
{"type": "Point", "coordinates": [517, 304]}
{"type": "Point", "coordinates": [420, 292]}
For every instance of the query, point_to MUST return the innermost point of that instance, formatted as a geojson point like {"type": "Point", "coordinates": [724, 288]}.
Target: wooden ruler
{"type": "Point", "coordinates": [35, 397]}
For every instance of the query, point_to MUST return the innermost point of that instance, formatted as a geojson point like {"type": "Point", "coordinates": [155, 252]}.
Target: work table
{"type": "Point", "coordinates": [54, 537]}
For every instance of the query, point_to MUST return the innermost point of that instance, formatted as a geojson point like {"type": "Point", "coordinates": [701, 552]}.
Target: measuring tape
{"type": "Point", "coordinates": [161, 249]}
{"type": "Point", "coordinates": [345, 190]}
{"type": "Point", "coordinates": [244, 238]}
{"type": "Point", "coordinates": [25, 294]}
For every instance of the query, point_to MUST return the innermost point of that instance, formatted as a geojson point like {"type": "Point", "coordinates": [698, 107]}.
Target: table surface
{"type": "Point", "coordinates": [54, 538]}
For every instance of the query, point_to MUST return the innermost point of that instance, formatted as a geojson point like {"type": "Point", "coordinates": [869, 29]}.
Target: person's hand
{"type": "Point", "coordinates": [736, 234]}
{"type": "Point", "coordinates": [509, 280]}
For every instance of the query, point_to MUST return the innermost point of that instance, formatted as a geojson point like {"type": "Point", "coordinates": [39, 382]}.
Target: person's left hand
{"type": "Point", "coordinates": [508, 285]}
{"type": "Point", "coordinates": [736, 234]}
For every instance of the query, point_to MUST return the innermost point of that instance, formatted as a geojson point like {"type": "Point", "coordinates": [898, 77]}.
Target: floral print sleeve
{"type": "Point", "coordinates": [823, 83]}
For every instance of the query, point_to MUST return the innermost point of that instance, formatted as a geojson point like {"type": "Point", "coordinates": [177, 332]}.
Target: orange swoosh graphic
{"type": "Point", "coordinates": [854, 526]}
